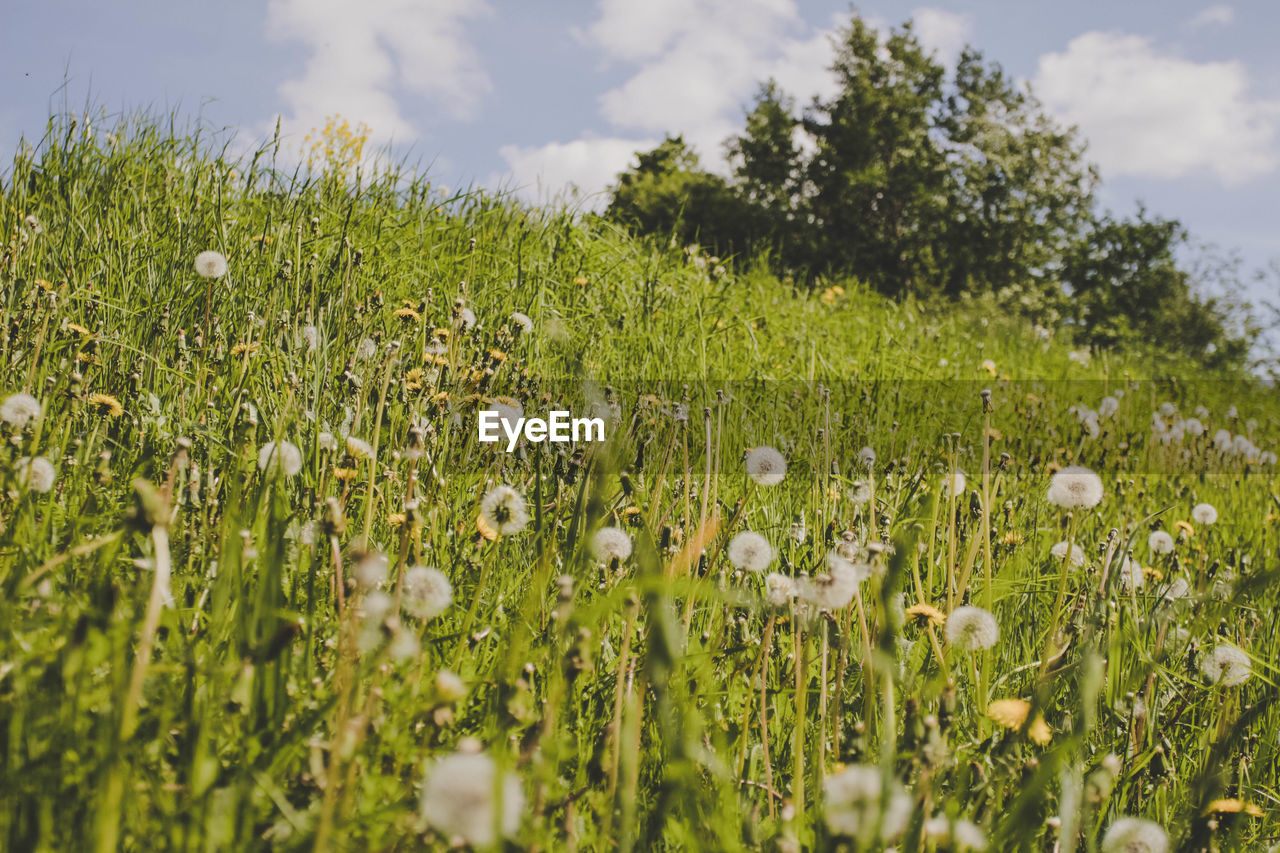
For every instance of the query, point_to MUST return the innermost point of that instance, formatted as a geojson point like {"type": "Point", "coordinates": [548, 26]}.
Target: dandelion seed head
{"type": "Point", "coordinates": [765, 465]}
{"type": "Point", "coordinates": [458, 799]}
{"type": "Point", "coordinates": [1075, 487]}
{"type": "Point", "coordinates": [35, 473]}
{"type": "Point", "coordinates": [1132, 577]}
{"type": "Point", "coordinates": [310, 337]}
{"type": "Point", "coordinates": [449, 686]}
{"type": "Point", "coordinates": [750, 551]}
{"type": "Point", "coordinates": [970, 628]}
{"type": "Point", "coordinates": [466, 318]}
{"type": "Point", "coordinates": [1108, 407]}
{"type": "Point", "coordinates": [325, 441]}
{"type": "Point", "coordinates": [1203, 513]}
{"type": "Point", "coordinates": [867, 457]}
{"type": "Point", "coordinates": [955, 483]}
{"type": "Point", "coordinates": [522, 322]}
{"type": "Point", "coordinates": [1134, 835]}
{"type": "Point", "coordinates": [1078, 557]}
{"type": "Point", "coordinates": [426, 592]}
{"type": "Point", "coordinates": [366, 349]}
{"type": "Point", "coordinates": [504, 510]}
{"type": "Point", "coordinates": [211, 264]}
{"type": "Point", "coordinates": [963, 834]}
{"type": "Point", "coordinates": [854, 799]}
{"type": "Point", "coordinates": [1160, 542]}
{"type": "Point", "coordinates": [358, 448]}
{"type": "Point", "coordinates": [282, 453]}
{"type": "Point", "coordinates": [371, 570]}
{"type": "Point", "coordinates": [20, 409]}
{"type": "Point", "coordinates": [611, 543]}
{"type": "Point", "coordinates": [779, 589]}
{"type": "Point", "coordinates": [1226, 666]}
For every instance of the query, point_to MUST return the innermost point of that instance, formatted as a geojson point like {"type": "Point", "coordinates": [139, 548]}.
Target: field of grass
{"type": "Point", "coordinates": [262, 588]}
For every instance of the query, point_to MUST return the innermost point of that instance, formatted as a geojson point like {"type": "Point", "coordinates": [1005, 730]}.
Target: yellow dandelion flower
{"type": "Point", "coordinates": [413, 379]}
{"type": "Point", "coordinates": [581, 281]}
{"type": "Point", "coordinates": [243, 348]}
{"type": "Point", "coordinates": [443, 334]}
{"type": "Point", "coordinates": [1039, 731]}
{"type": "Point", "coordinates": [989, 366]}
{"type": "Point", "coordinates": [79, 330]}
{"type": "Point", "coordinates": [345, 473]}
{"type": "Point", "coordinates": [1010, 713]}
{"type": "Point", "coordinates": [497, 355]}
{"type": "Point", "coordinates": [395, 519]}
{"type": "Point", "coordinates": [828, 296]}
{"type": "Point", "coordinates": [106, 405]}
{"type": "Point", "coordinates": [1233, 806]}
{"type": "Point", "coordinates": [486, 530]}
{"type": "Point", "coordinates": [263, 239]}
{"type": "Point", "coordinates": [408, 315]}
{"type": "Point", "coordinates": [926, 613]}
{"type": "Point", "coordinates": [995, 434]}
{"type": "Point", "coordinates": [1052, 468]}
{"type": "Point", "coordinates": [1011, 538]}
{"type": "Point", "coordinates": [1152, 573]}
{"type": "Point", "coordinates": [1185, 527]}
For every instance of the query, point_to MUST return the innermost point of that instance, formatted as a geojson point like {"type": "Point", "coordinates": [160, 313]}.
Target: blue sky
{"type": "Point", "coordinates": [1180, 100]}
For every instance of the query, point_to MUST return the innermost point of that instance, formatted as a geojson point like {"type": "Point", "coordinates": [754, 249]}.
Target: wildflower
{"type": "Point", "coordinates": [867, 457]}
{"type": "Point", "coordinates": [962, 834]}
{"type": "Point", "coordinates": [1204, 513]}
{"type": "Point", "coordinates": [779, 589]}
{"type": "Point", "coordinates": [326, 442]}
{"type": "Point", "coordinates": [611, 543]}
{"type": "Point", "coordinates": [1012, 714]}
{"type": "Point", "coordinates": [522, 322]}
{"type": "Point", "coordinates": [20, 409]}
{"type": "Point", "coordinates": [989, 366]}
{"type": "Point", "coordinates": [466, 318]}
{"type": "Point", "coordinates": [1226, 666]}
{"type": "Point", "coordinates": [1132, 576]}
{"type": "Point", "coordinates": [1160, 542]}
{"type": "Point", "coordinates": [834, 589]}
{"type": "Point", "coordinates": [284, 453]}
{"type": "Point", "coordinates": [955, 483]}
{"type": "Point", "coordinates": [1222, 440]}
{"type": "Point", "coordinates": [857, 803]}
{"type": "Point", "coordinates": [358, 448]}
{"type": "Point", "coordinates": [751, 551]}
{"type": "Point", "coordinates": [1078, 557]}
{"type": "Point", "coordinates": [926, 613]}
{"type": "Point", "coordinates": [861, 493]}
{"type": "Point", "coordinates": [310, 337]}
{"type": "Point", "coordinates": [366, 349]}
{"type": "Point", "coordinates": [1193, 427]}
{"type": "Point", "coordinates": [1135, 835]}
{"type": "Point", "coordinates": [970, 628]}
{"type": "Point", "coordinates": [1108, 407]}
{"type": "Point", "coordinates": [765, 465]}
{"type": "Point", "coordinates": [426, 593]}
{"type": "Point", "coordinates": [1233, 806]}
{"type": "Point", "coordinates": [371, 570]}
{"type": "Point", "coordinates": [1184, 528]}
{"type": "Point", "coordinates": [1075, 487]}
{"type": "Point", "coordinates": [211, 264]}
{"type": "Point", "coordinates": [503, 509]}
{"type": "Point", "coordinates": [36, 473]}
{"type": "Point", "coordinates": [408, 315]}
{"type": "Point", "coordinates": [105, 405]}
{"type": "Point", "coordinates": [458, 799]}
{"type": "Point", "coordinates": [449, 686]}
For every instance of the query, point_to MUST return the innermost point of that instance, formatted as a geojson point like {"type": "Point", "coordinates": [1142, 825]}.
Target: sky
{"type": "Point", "coordinates": [1179, 100]}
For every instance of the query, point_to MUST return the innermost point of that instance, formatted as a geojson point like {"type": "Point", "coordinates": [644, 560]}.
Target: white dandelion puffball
{"type": "Point", "coordinates": [1078, 557]}
{"type": "Point", "coordinates": [867, 457]}
{"type": "Point", "coordinates": [458, 799]}
{"type": "Point", "coordinates": [1193, 427]}
{"type": "Point", "coordinates": [20, 409]}
{"type": "Point", "coordinates": [504, 510]}
{"type": "Point", "coordinates": [1204, 514]}
{"type": "Point", "coordinates": [1226, 666]}
{"type": "Point", "coordinates": [971, 628]}
{"type": "Point", "coordinates": [1131, 575]}
{"type": "Point", "coordinates": [450, 686]}
{"type": "Point", "coordinates": [427, 593]}
{"type": "Point", "coordinates": [1222, 440]}
{"type": "Point", "coordinates": [751, 551]}
{"type": "Point", "coordinates": [955, 483]}
{"type": "Point", "coordinates": [523, 322]}
{"type": "Point", "coordinates": [310, 337]}
{"type": "Point", "coordinates": [1108, 407]}
{"type": "Point", "coordinates": [854, 798]}
{"type": "Point", "coordinates": [366, 349]}
{"type": "Point", "coordinates": [325, 441]}
{"type": "Point", "coordinates": [765, 465]}
{"type": "Point", "coordinates": [371, 570]}
{"type": "Point", "coordinates": [36, 474]}
{"type": "Point", "coordinates": [1135, 835]}
{"type": "Point", "coordinates": [211, 264]}
{"type": "Point", "coordinates": [358, 448]}
{"type": "Point", "coordinates": [1160, 542]}
{"type": "Point", "coordinates": [284, 454]}
{"type": "Point", "coordinates": [1168, 410]}
{"type": "Point", "coordinates": [834, 589]}
{"type": "Point", "coordinates": [779, 589]}
{"type": "Point", "coordinates": [466, 318]}
{"type": "Point", "coordinates": [962, 835]}
{"type": "Point", "coordinates": [611, 543]}
{"type": "Point", "coordinates": [1075, 487]}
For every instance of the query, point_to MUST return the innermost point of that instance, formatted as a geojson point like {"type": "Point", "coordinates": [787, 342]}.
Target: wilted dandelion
{"type": "Point", "coordinates": [36, 473]}
{"type": "Point", "coordinates": [283, 453]}
{"type": "Point", "coordinates": [426, 592]}
{"type": "Point", "coordinates": [1226, 666]}
{"type": "Point", "coordinates": [611, 543]}
{"type": "Point", "coordinates": [970, 628]}
{"type": "Point", "coordinates": [1075, 487]}
{"type": "Point", "coordinates": [1135, 835]}
{"type": "Point", "coordinates": [458, 799]}
{"type": "Point", "coordinates": [1204, 513]}
{"type": "Point", "coordinates": [1160, 542]}
{"type": "Point", "coordinates": [765, 465]}
{"type": "Point", "coordinates": [504, 510]}
{"type": "Point", "coordinates": [105, 405]}
{"type": "Point", "coordinates": [855, 799]}
{"type": "Point", "coordinates": [751, 551]}
{"type": "Point", "coordinates": [20, 409]}
{"type": "Point", "coordinates": [211, 264]}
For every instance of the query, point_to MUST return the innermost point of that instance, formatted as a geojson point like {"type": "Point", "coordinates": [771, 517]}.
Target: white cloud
{"type": "Point", "coordinates": [362, 57]}
{"type": "Point", "coordinates": [589, 165]}
{"type": "Point", "coordinates": [1220, 14]}
{"type": "Point", "coordinates": [1157, 115]}
{"type": "Point", "coordinates": [942, 33]}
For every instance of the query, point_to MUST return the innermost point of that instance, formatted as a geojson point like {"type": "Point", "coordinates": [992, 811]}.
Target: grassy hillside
{"type": "Point", "coordinates": [218, 630]}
